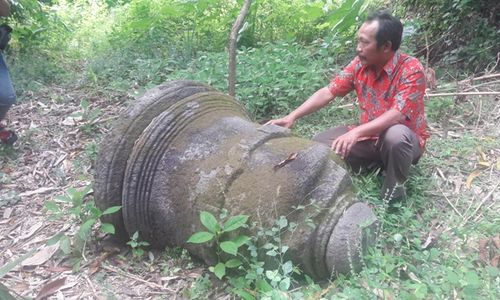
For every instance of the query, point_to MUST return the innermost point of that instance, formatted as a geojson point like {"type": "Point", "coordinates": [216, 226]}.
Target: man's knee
{"type": "Point", "coordinates": [398, 137]}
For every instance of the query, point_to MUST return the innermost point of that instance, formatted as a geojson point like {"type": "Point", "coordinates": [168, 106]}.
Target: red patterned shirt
{"type": "Point", "coordinates": [399, 85]}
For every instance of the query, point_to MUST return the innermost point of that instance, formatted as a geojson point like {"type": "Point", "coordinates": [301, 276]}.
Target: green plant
{"type": "Point", "coordinates": [262, 270]}
{"type": "Point", "coordinates": [88, 116]}
{"type": "Point", "coordinates": [217, 232]}
{"type": "Point", "coordinates": [137, 245]}
{"type": "Point", "coordinates": [73, 205]}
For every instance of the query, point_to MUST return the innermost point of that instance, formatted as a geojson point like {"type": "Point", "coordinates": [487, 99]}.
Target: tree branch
{"type": "Point", "coordinates": [233, 39]}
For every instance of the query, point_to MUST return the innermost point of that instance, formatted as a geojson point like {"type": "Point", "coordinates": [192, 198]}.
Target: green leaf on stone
{"type": "Point", "coordinates": [208, 220]}
{"type": "Point", "coordinates": [200, 237]}
{"type": "Point", "coordinates": [65, 245]}
{"type": "Point", "coordinates": [84, 231]}
{"type": "Point", "coordinates": [220, 270]}
{"type": "Point", "coordinates": [287, 267]}
{"type": "Point", "coordinates": [240, 240]}
{"type": "Point", "coordinates": [229, 247]}
{"type": "Point", "coordinates": [285, 284]}
{"type": "Point", "coordinates": [233, 263]}
{"type": "Point", "coordinates": [108, 228]}
{"type": "Point", "coordinates": [235, 222]}
{"type": "Point", "coordinates": [111, 210]}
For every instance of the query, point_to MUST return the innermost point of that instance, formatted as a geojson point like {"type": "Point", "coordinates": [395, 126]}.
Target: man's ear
{"type": "Point", "coordinates": [387, 47]}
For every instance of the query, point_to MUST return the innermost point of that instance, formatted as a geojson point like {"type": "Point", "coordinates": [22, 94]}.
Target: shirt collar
{"type": "Point", "coordinates": [391, 65]}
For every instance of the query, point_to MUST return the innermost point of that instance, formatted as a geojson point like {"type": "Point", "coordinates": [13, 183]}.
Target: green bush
{"type": "Point", "coordinates": [271, 80]}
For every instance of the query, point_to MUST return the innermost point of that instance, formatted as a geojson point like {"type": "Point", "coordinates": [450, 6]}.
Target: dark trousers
{"type": "Point", "coordinates": [7, 94]}
{"type": "Point", "coordinates": [395, 151]}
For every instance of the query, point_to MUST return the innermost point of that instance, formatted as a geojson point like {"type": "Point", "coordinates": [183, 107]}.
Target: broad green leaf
{"type": "Point", "coordinates": [52, 206]}
{"type": "Point", "coordinates": [240, 240]}
{"type": "Point", "coordinates": [108, 228]}
{"type": "Point", "coordinates": [285, 284]}
{"type": "Point", "coordinates": [233, 263]}
{"type": "Point", "coordinates": [208, 220]}
{"type": "Point", "coordinates": [262, 285]}
{"type": "Point", "coordinates": [200, 237]}
{"type": "Point", "coordinates": [452, 277]}
{"type": "Point", "coordinates": [64, 198]}
{"type": "Point", "coordinates": [65, 244]}
{"type": "Point", "coordinates": [54, 239]}
{"type": "Point", "coordinates": [229, 247]}
{"type": "Point", "coordinates": [235, 222]}
{"type": "Point", "coordinates": [287, 267]}
{"type": "Point", "coordinates": [111, 210]}
{"type": "Point", "coordinates": [243, 294]}
{"type": "Point", "coordinates": [84, 231]}
{"type": "Point", "coordinates": [273, 275]}
{"type": "Point", "coordinates": [472, 279]}
{"type": "Point", "coordinates": [220, 270]}
{"type": "Point", "coordinates": [282, 222]}
{"type": "Point", "coordinates": [313, 12]}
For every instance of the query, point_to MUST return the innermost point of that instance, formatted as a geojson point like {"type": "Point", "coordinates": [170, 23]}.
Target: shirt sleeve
{"type": "Point", "coordinates": [410, 91]}
{"type": "Point", "coordinates": [343, 83]}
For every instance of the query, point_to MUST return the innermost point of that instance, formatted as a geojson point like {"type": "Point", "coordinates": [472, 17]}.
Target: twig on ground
{"type": "Point", "coordinates": [449, 202]}
{"type": "Point", "coordinates": [480, 78]}
{"type": "Point", "coordinates": [481, 203]}
{"type": "Point", "coordinates": [94, 292]}
{"type": "Point", "coordinates": [462, 94]}
{"type": "Point", "coordinates": [474, 87]}
{"type": "Point", "coordinates": [151, 284]}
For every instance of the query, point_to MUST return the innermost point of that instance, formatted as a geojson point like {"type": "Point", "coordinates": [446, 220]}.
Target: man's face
{"type": "Point", "coordinates": [367, 49]}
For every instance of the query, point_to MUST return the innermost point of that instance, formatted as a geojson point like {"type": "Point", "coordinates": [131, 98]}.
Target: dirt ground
{"type": "Point", "coordinates": [51, 156]}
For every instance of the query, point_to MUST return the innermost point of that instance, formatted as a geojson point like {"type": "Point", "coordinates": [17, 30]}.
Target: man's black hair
{"type": "Point", "coordinates": [390, 29]}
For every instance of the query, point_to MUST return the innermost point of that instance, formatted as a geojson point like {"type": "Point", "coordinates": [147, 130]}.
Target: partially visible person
{"type": "Point", "coordinates": [390, 87]}
{"type": "Point", "coordinates": [7, 94]}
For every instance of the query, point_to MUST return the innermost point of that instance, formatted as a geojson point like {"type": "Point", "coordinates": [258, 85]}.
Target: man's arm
{"type": "Point", "coordinates": [4, 8]}
{"type": "Point", "coordinates": [318, 100]}
{"type": "Point", "coordinates": [343, 144]}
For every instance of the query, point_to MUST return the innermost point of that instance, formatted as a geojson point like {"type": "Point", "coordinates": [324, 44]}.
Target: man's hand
{"type": "Point", "coordinates": [343, 144]}
{"type": "Point", "coordinates": [286, 122]}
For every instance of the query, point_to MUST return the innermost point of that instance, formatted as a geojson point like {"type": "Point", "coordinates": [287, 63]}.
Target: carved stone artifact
{"type": "Point", "coordinates": [184, 148]}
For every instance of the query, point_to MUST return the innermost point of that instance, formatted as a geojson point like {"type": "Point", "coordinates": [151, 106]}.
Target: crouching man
{"type": "Point", "coordinates": [390, 87]}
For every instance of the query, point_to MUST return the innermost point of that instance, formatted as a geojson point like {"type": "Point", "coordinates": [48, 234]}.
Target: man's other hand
{"type": "Point", "coordinates": [343, 144]}
{"type": "Point", "coordinates": [286, 122]}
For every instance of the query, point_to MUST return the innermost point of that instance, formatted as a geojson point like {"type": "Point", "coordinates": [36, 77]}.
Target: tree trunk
{"type": "Point", "coordinates": [233, 38]}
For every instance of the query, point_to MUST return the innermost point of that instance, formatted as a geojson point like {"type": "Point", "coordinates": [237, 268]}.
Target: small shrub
{"type": "Point", "coordinates": [85, 214]}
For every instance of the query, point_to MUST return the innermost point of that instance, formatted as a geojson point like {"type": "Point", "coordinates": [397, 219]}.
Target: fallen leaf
{"type": "Point", "coordinates": [96, 264]}
{"type": "Point", "coordinates": [489, 251]}
{"type": "Point", "coordinates": [471, 177]}
{"type": "Point", "coordinates": [31, 231]}
{"type": "Point", "coordinates": [485, 163]}
{"type": "Point", "coordinates": [290, 158]}
{"type": "Point", "coordinates": [483, 251]}
{"type": "Point", "coordinates": [481, 153]}
{"type": "Point", "coordinates": [41, 256]}
{"type": "Point", "coordinates": [7, 212]}
{"type": "Point", "coordinates": [38, 191]}
{"type": "Point", "coordinates": [51, 288]}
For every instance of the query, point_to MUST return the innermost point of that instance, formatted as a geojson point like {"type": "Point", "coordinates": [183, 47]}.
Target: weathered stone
{"type": "Point", "coordinates": [184, 148]}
